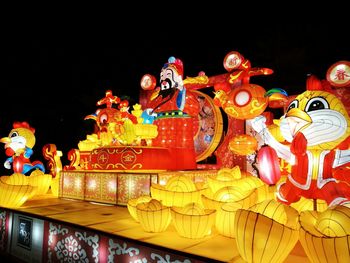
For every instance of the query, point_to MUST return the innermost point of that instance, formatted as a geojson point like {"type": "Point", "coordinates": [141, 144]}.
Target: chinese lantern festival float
{"type": "Point", "coordinates": [275, 181]}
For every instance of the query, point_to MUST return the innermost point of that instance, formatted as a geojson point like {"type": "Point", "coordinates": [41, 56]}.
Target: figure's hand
{"type": "Point", "coordinates": [7, 164]}
{"type": "Point", "coordinates": [299, 144]}
{"type": "Point", "coordinates": [259, 123]}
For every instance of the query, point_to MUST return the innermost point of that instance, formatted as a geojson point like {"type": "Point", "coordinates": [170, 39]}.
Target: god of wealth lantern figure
{"type": "Point", "coordinates": [173, 108]}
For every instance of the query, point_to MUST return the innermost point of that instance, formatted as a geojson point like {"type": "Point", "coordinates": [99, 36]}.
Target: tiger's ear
{"type": "Point", "coordinates": [313, 83]}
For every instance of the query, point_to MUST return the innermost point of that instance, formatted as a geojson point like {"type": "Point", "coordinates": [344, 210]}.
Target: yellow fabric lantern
{"type": "Point", "coordinates": [234, 177]}
{"type": "Point", "coordinates": [325, 236]}
{"type": "Point", "coordinates": [55, 184]}
{"type": "Point", "coordinates": [178, 191]}
{"type": "Point", "coordinates": [15, 179]}
{"type": "Point", "coordinates": [243, 144]}
{"type": "Point", "coordinates": [193, 221]}
{"type": "Point", "coordinates": [133, 202]}
{"type": "Point", "coordinates": [153, 216]}
{"type": "Point", "coordinates": [42, 181]}
{"type": "Point", "coordinates": [14, 196]}
{"type": "Point", "coordinates": [305, 204]}
{"type": "Point", "coordinates": [225, 219]}
{"type": "Point", "coordinates": [267, 232]}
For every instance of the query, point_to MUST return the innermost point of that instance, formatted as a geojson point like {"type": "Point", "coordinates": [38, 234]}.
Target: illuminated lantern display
{"type": "Point", "coordinates": [314, 124]}
{"type": "Point", "coordinates": [269, 167]}
{"type": "Point", "coordinates": [15, 179]}
{"type": "Point", "coordinates": [175, 108]}
{"type": "Point", "coordinates": [325, 235]}
{"type": "Point", "coordinates": [13, 196]}
{"type": "Point", "coordinates": [244, 102]}
{"type": "Point", "coordinates": [277, 98]}
{"type": "Point", "coordinates": [230, 194]}
{"type": "Point", "coordinates": [267, 232]}
{"type": "Point", "coordinates": [338, 74]}
{"type": "Point", "coordinates": [305, 204]}
{"type": "Point", "coordinates": [41, 181]}
{"type": "Point", "coordinates": [233, 177]}
{"type": "Point", "coordinates": [153, 216]}
{"type": "Point", "coordinates": [193, 221]}
{"type": "Point", "coordinates": [18, 146]}
{"type": "Point", "coordinates": [243, 144]}
{"type": "Point", "coordinates": [148, 82]}
{"type": "Point", "coordinates": [178, 191]}
{"type": "Point", "coordinates": [225, 219]}
{"type": "Point", "coordinates": [133, 202]}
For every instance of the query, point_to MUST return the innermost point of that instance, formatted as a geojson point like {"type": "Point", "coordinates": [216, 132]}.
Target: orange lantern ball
{"type": "Point", "coordinates": [246, 102]}
{"type": "Point", "coordinates": [148, 82]}
{"type": "Point", "coordinates": [243, 144]}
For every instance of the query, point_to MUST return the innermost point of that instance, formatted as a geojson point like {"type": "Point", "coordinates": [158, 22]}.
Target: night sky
{"type": "Point", "coordinates": [54, 83]}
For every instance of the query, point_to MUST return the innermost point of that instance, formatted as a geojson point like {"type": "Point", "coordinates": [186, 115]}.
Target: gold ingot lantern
{"type": "Point", "coordinates": [41, 181]}
{"type": "Point", "coordinates": [193, 221]}
{"type": "Point", "coordinates": [230, 194]}
{"type": "Point", "coordinates": [13, 196]}
{"type": "Point", "coordinates": [178, 191]}
{"type": "Point", "coordinates": [325, 236]}
{"type": "Point", "coordinates": [15, 179]}
{"type": "Point", "coordinates": [55, 184]}
{"type": "Point", "coordinates": [225, 219]}
{"type": "Point", "coordinates": [234, 177]}
{"type": "Point", "coordinates": [267, 232]}
{"type": "Point", "coordinates": [305, 204]}
{"type": "Point", "coordinates": [133, 202]}
{"type": "Point", "coordinates": [153, 216]}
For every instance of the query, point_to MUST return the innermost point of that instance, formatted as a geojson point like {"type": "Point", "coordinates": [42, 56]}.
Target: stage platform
{"type": "Point", "coordinates": [106, 233]}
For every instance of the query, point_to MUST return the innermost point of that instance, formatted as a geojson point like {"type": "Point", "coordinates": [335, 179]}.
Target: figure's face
{"type": "Point", "coordinates": [320, 116]}
{"type": "Point", "coordinates": [169, 80]}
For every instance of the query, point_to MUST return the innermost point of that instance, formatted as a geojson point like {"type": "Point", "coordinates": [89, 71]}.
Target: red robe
{"type": "Point", "coordinates": [175, 129]}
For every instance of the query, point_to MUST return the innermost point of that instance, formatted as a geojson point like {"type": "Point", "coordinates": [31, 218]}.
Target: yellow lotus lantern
{"type": "Point", "coordinates": [193, 221]}
{"type": "Point", "coordinates": [325, 236]}
{"type": "Point", "coordinates": [13, 196]}
{"type": "Point", "coordinates": [267, 232]}
{"type": "Point", "coordinates": [178, 191]}
{"type": "Point", "coordinates": [133, 202]}
{"type": "Point", "coordinates": [41, 181]}
{"type": "Point", "coordinates": [153, 216]}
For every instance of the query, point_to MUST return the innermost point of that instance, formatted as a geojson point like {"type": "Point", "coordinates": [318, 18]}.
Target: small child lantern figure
{"type": "Point", "coordinates": [317, 126]}
{"type": "Point", "coordinates": [18, 146]}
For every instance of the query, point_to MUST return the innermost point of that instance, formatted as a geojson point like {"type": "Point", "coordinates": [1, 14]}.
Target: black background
{"type": "Point", "coordinates": [53, 83]}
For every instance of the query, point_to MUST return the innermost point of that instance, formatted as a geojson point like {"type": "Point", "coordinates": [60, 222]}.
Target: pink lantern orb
{"type": "Point", "coordinates": [269, 168]}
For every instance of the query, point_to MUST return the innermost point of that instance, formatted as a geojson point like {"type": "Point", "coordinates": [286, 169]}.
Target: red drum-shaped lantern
{"type": "Point", "coordinates": [243, 144]}
{"type": "Point", "coordinates": [269, 169]}
{"type": "Point", "coordinates": [246, 102]}
{"type": "Point", "coordinates": [148, 82]}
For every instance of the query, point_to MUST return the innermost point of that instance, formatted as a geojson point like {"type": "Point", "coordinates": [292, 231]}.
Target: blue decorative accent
{"type": "Point", "coordinates": [147, 118]}
{"type": "Point", "coordinates": [171, 59]}
{"type": "Point", "coordinates": [180, 99]}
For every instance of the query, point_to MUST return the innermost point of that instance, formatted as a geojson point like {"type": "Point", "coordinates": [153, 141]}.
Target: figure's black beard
{"type": "Point", "coordinates": [169, 94]}
{"type": "Point", "coordinates": [166, 92]}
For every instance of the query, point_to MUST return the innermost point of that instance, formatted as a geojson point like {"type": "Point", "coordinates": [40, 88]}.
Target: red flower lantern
{"type": "Point", "coordinates": [269, 169]}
